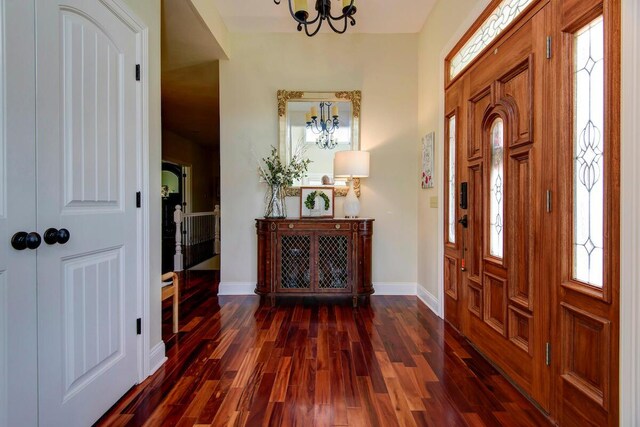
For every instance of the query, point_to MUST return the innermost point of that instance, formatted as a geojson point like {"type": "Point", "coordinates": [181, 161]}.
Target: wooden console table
{"type": "Point", "coordinates": [314, 257]}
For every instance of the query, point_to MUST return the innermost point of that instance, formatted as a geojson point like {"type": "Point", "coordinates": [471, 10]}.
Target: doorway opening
{"type": "Point", "coordinates": [191, 233]}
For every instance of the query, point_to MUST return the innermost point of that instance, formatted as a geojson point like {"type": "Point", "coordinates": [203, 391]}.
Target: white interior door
{"type": "Point", "coordinates": [88, 163]}
{"type": "Point", "coordinates": [18, 339]}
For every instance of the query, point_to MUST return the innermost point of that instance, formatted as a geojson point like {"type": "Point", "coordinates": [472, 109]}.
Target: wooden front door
{"type": "Point", "coordinates": [532, 268]}
{"type": "Point", "coordinates": [493, 271]}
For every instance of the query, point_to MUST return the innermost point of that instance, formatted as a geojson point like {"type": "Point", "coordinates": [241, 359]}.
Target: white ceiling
{"type": "Point", "coordinates": [373, 16]}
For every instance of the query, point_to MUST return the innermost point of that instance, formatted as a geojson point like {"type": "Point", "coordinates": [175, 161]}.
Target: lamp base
{"type": "Point", "coordinates": [351, 203]}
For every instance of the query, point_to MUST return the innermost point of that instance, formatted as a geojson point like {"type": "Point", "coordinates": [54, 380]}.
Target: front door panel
{"type": "Point", "coordinates": [503, 307]}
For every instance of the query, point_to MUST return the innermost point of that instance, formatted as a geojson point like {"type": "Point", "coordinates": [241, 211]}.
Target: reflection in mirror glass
{"type": "Point", "coordinates": [301, 132]}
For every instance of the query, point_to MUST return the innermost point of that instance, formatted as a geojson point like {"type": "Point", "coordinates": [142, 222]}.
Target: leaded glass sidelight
{"type": "Point", "coordinates": [452, 180]}
{"type": "Point", "coordinates": [588, 148]}
{"type": "Point", "coordinates": [503, 15]}
{"type": "Point", "coordinates": [496, 212]}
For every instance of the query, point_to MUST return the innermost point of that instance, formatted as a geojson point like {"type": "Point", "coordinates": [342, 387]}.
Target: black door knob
{"type": "Point", "coordinates": [33, 240]}
{"type": "Point", "coordinates": [23, 240]}
{"type": "Point", "coordinates": [53, 236]}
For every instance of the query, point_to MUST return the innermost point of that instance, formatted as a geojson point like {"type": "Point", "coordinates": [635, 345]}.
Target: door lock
{"type": "Point", "coordinates": [464, 221]}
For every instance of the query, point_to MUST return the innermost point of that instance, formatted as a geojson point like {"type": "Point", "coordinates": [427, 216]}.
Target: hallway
{"type": "Point", "coordinates": [237, 361]}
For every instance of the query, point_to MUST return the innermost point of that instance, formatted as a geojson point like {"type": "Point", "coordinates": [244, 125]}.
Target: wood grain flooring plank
{"type": "Point", "coordinates": [279, 391]}
{"type": "Point", "coordinates": [238, 361]}
{"type": "Point", "coordinates": [399, 400]}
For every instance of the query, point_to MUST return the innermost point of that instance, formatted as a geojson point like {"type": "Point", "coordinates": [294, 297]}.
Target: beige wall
{"type": "Point", "coordinates": [204, 164]}
{"type": "Point", "coordinates": [149, 12]}
{"type": "Point", "coordinates": [447, 22]}
{"type": "Point", "coordinates": [385, 68]}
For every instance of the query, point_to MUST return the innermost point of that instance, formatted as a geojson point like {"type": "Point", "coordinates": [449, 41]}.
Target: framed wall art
{"type": "Point", "coordinates": [316, 202]}
{"type": "Point", "coordinates": [428, 174]}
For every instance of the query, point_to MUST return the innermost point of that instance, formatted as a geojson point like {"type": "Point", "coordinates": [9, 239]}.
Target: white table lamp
{"type": "Point", "coordinates": [351, 164]}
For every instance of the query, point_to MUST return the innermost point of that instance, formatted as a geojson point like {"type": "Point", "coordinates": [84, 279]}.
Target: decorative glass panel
{"type": "Point", "coordinates": [500, 19]}
{"type": "Point", "coordinates": [333, 260]}
{"type": "Point", "coordinates": [588, 186]}
{"type": "Point", "coordinates": [296, 268]}
{"type": "Point", "coordinates": [452, 179]}
{"type": "Point", "coordinates": [496, 212]}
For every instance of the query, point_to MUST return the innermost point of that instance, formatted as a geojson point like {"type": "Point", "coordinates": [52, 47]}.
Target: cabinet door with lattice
{"type": "Point", "coordinates": [294, 266]}
{"type": "Point", "coordinates": [333, 262]}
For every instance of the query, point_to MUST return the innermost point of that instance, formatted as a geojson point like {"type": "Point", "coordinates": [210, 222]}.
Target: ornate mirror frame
{"type": "Point", "coordinates": [354, 96]}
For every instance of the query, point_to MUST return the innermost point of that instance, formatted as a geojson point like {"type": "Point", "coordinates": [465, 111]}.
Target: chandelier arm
{"type": "Point", "coordinates": [331, 126]}
{"type": "Point", "coordinates": [345, 13]}
{"type": "Point", "coordinates": [323, 14]}
{"type": "Point", "coordinates": [306, 29]}
{"type": "Point", "coordinates": [315, 130]}
{"type": "Point", "coordinates": [337, 30]}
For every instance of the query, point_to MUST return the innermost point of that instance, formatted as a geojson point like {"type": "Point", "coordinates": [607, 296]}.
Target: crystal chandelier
{"type": "Point", "coordinates": [299, 12]}
{"type": "Point", "coordinates": [325, 125]}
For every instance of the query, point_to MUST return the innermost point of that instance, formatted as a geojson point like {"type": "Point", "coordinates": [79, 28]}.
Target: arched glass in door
{"type": "Point", "coordinates": [496, 184]}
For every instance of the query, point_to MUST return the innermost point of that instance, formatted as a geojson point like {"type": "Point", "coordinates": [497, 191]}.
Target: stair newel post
{"type": "Point", "coordinates": [177, 258]}
{"type": "Point", "coordinates": [216, 247]}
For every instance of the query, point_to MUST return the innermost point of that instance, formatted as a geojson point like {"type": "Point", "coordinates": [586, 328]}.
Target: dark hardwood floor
{"type": "Point", "coordinates": [237, 361]}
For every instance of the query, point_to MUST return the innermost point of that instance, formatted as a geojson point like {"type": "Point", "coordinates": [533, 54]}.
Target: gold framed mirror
{"type": "Point", "coordinates": [298, 129]}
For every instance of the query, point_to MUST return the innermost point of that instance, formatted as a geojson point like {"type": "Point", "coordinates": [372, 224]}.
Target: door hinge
{"type": "Point", "coordinates": [549, 201]}
{"type": "Point", "coordinates": [139, 326]}
{"type": "Point", "coordinates": [138, 199]}
{"type": "Point", "coordinates": [549, 47]}
{"type": "Point", "coordinates": [547, 354]}
{"type": "Point", "coordinates": [138, 72]}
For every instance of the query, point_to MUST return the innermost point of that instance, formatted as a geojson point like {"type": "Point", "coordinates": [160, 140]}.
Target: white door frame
{"type": "Point", "coordinates": [122, 10]}
{"type": "Point", "coordinates": [630, 212]}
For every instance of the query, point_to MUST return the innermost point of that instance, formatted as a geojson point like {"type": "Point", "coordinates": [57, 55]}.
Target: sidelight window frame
{"type": "Point", "coordinates": [451, 209]}
{"type": "Point", "coordinates": [611, 163]}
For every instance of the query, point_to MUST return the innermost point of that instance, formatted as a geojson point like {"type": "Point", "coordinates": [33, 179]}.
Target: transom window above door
{"type": "Point", "coordinates": [503, 15]}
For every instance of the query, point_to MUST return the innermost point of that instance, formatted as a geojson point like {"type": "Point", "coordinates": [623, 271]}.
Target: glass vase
{"type": "Point", "coordinates": [275, 206]}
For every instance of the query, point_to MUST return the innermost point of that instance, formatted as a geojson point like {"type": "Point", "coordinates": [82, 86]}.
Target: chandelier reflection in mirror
{"type": "Point", "coordinates": [299, 10]}
{"type": "Point", "coordinates": [325, 125]}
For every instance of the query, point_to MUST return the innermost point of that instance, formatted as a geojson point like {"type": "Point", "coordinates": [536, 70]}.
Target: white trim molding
{"type": "Point", "coordinates": [630, 212]}
{"type": "Point", "coordinates": [395, 288]}
{"type": "Point", "coordinates": [237, 288]}
{"type": "Point", "coordinates": [386, 288]}
{"type": "Point", "coordinates": [157, 357]}
{"type": "Point", "coordinates": [137, 25]}
{"type": "Point", "coordinates": [430, 301]}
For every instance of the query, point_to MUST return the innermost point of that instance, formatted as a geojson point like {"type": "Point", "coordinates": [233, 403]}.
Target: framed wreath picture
{"type": "Point", "coordinates": [316, 202]}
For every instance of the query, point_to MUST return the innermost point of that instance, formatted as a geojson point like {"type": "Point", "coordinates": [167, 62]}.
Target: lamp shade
{"type": "Point", "coordinates": [353, 164]}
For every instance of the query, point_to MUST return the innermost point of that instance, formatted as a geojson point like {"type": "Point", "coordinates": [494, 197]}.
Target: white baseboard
{"type": "Point", "coordinates": [395, 288]}
{"type": "Point", "coordinates": [429, 300]}
{"type": "Point", "coordinates": [236, 288]}
{"type": "Point", "coordinates": [384, 288]}
{"type": "Point", "coordinates": [156, 357]}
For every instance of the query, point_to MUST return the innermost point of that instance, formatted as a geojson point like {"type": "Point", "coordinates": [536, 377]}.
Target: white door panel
{"type": "Point", "coordinates": [92, 100]}
{"type": "Point", "coordinates": [18, 328]}
{"type": "Point", "coordinates": [87, 181]}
